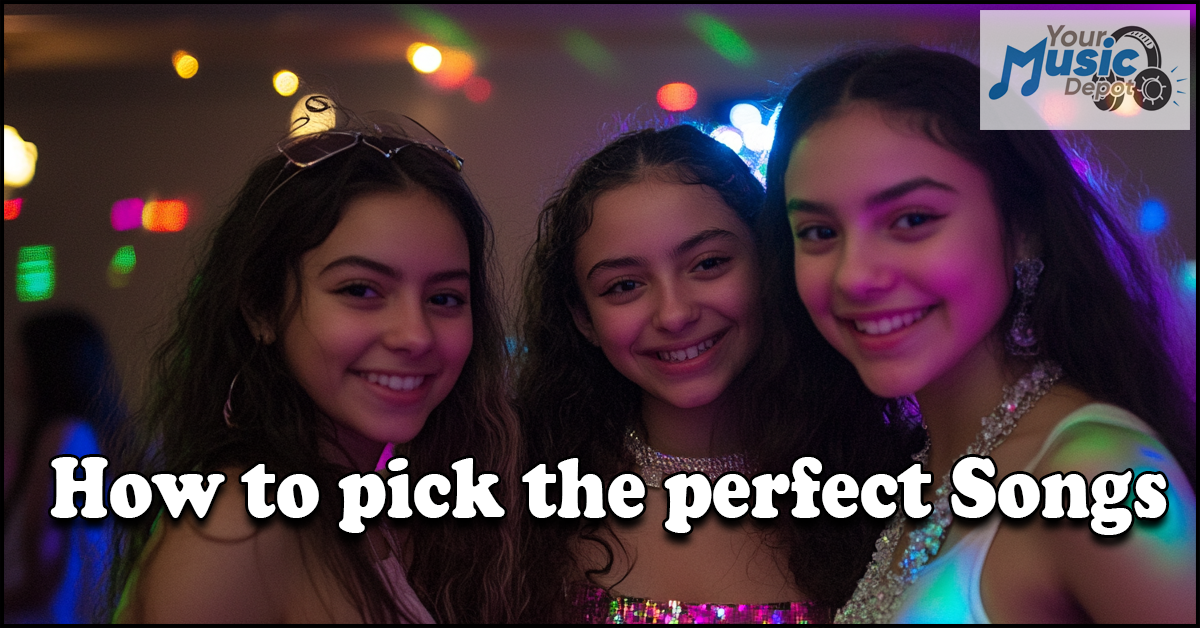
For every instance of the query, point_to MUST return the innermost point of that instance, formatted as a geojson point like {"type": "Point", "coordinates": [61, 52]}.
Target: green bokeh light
{"type": "Point", "coordinates": [35, 273]}
{"type": "Point", "coordinates": [722, 38]}
{"type": "Point", "coordinates": [440, 27]}
{"type": "Point", "coordinates": [589, 52]}
{"type": "Point", "coordinates": [124, 260]}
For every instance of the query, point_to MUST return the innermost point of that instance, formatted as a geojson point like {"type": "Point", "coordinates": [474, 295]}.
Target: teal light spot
{"type": "Point", "coordinates": [722, 38]}
{"type": "Point", "coordinates": [1186, 277]}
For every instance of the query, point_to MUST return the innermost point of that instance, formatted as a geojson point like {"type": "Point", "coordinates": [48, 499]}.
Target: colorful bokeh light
{"type": "Point", "coordinates": [126, 214]}
{"type": "Point", "coordinates": [477, 89]}
{"type": "Point", "coordinates": [185, 64]}
{"type": "Point", "coordinates": [457, 68]}
{"type": "Point", "coordinates": [722, 38]}
{"type": "Point", "coordinates": [12, 208]}
{"type": "Point", "coordinates": [35, 273]}
{"type": "Point", "coordinates": [121, 266]}
{"type": "Point", "coordinates": [286, 82]}
{"type": "Point", "coordinates": [589, 52]}
{"type": "Point", "coordinates": [165, 216]}
{"type": "Point", "coordinates": [677, 97]}
{"type": "Point", "coordinates": [424, 58]}
{"type": "Point", "coordinates": [1153, 216]}
{"type": "Point", "coordinates": [20, 159]}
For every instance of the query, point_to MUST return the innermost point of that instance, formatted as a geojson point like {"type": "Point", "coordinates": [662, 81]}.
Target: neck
{"type": "Point", "coordinates": [953, 404]}
{"type": "Point", "coordinates": [700, 432]}
{"type": "Point", "coordinates": [351, 449]}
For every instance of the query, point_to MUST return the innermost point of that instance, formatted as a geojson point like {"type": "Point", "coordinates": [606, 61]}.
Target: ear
{"type": "Point", "coordinates": [262, 331]}
{"type": "Point", "coordinates": [1027, 247]}
{"type": "Point", "coordinates": [583, 322]}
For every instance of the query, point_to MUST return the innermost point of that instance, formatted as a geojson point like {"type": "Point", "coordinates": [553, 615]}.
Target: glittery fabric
{"type": "Point", "coordinates": [596, 606]}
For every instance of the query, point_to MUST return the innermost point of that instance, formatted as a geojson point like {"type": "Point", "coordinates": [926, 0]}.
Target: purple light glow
{"type": "Point", "coordinates": [127, 214]}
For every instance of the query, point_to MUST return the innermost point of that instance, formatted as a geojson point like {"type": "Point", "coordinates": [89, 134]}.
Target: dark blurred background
{"type": "Point", "coordinates": [94, 88]}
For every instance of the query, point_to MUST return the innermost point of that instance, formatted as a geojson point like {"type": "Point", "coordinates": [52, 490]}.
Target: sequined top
{"type": "Point", "coordinates": [597, 606]}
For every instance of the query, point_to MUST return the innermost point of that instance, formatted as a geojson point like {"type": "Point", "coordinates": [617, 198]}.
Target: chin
{"type": "Point", "coordinates": [888, 383]}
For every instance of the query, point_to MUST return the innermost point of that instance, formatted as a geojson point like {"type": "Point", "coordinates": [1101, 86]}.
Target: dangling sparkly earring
{"type": "Point", "coordinates": [1021, 339]}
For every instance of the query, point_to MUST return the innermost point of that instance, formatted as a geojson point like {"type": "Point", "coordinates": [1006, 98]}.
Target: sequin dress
{"type": "Point", "coordinates": [597, 606]}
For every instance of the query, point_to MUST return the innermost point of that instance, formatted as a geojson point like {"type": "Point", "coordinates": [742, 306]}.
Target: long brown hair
{"type": "Point", "coordinates": [1104, 309]}
{"type": "Point", "coordinates": [574, 403]}
{"type": "Point", "coordinates": [461, 570]}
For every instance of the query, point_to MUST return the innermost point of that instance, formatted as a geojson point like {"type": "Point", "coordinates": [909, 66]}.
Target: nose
{"type": "Point", "coordinates": [675, 310]}
{"type": "Point", "coordinates": [407, 326]}
{"type": "Point", "coordinates": [865, 269]}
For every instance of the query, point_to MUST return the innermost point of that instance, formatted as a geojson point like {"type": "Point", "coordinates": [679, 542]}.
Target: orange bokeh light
{"type": "Point", "coordinates": [165, 215]}
{"type": "Point", "coordinates": [456, 69]}
{"type": "Point", "coordinates": [677, 97]}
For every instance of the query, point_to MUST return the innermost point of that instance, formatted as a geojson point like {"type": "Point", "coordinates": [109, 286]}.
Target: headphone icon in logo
{"type": "Point", "coordinates": [1153, 85]}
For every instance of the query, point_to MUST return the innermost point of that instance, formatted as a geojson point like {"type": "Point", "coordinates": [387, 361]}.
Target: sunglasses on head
{"type": "Point", "coordinates": [306, 151]}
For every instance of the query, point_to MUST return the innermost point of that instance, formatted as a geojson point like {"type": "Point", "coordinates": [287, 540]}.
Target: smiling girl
{"type": "Point", "coordinates": [978, 272]}
{"type": "Point", "coordinates": [653, 348]}
{"type": "Point", "coordinates": [343, 306]}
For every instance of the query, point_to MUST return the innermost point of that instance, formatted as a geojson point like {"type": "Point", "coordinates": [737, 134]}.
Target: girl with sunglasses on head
{"type": "Point", "coordinates": [652, 347]}
{"type": "Point", "coordinates": [342, 308]}
{"type": "Point", "coordinates": [979, 272]}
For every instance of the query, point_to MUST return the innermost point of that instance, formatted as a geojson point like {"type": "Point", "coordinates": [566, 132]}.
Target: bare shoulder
{"type": "Point", "coordinates": [224, 568]}
{"type": "Point", "coordinates": [1147, 573]}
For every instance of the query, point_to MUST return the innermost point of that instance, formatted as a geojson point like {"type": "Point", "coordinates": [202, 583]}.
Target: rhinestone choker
{"type": "Point", "coordinates": [656, 466]}
{"type": "Point", "coordinates": [877, 597]}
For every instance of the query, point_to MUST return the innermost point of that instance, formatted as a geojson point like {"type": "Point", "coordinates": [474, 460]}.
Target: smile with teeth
{"type": "Point", "coordinates": [395, 382]}
{"type": "Point", "coordinates": [878, 327]}
{"type": "Point", "coordinates": [693, 351]}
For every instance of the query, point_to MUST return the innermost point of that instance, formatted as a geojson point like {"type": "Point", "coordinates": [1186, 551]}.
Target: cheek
{"type": "Point", "coordinates": [616, 327]}
{"type": "Point", "coordinates": [455, 338]}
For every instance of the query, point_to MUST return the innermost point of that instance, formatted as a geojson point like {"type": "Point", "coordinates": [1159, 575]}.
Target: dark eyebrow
{"type": "Point", "coordinates": [361, 262]}
{"type": "Point", "coordinates": [388, 271]}
{"type": "Point", "coordinates": [900, 189]}
{"type": "Point", "coordinates": [701, 238]}
{"type": "Point", "coordinates": [449, 275]}
{"type": "Point", "coordinates": [609, 264]}
{"type": "Point", "coordinates": [879, 198]}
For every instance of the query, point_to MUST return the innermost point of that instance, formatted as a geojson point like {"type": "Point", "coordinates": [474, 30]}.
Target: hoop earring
{"type": "Point", "coordinates": [1022, 340]}
{"type": "Point", "coordinates": [228, 409]}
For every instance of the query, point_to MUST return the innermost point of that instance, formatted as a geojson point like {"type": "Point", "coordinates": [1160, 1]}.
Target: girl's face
{"type": "Point", "coordinates": [384, 324]}
{"type": "Point", "coordinates": [899, 252]}
{"type": "Point", "coordinates": [670, 283]}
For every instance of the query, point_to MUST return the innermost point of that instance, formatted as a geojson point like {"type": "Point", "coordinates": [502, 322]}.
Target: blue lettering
{"type": "Point", "coordinates": [1119, 62]}
{"type": "Point", "coordinates": [1105, 58]}
{"type": "Point", "coordinates": [1087, 63]}
{"type": "Point", "coordinates": [1053, 68]}
{"type": "Point", "coordinates": [1012, 56]}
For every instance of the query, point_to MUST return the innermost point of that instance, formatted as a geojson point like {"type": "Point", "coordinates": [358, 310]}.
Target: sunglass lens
{"type": "Point", "coordinates": [309, 150]}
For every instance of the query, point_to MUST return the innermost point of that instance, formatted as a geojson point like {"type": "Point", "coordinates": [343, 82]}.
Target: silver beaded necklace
{"type": "Point", "coordinates": [877, 597]}
{"type": "Point", "coordinates": [656, 466]}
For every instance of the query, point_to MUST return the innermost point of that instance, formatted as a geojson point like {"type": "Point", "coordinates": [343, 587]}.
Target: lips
{"type": "Point", "coordinates": [690, 352]}
{"type": "Point", "coordinates": [879, 325]}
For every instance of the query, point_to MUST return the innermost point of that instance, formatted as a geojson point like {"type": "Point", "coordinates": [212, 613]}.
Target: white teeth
{"type": "Point", "coordinates": [686, 354]}
{"type": "Point", "coordinates": [396, 382]}
{"type": "Point", "coordinates": [882, 326]}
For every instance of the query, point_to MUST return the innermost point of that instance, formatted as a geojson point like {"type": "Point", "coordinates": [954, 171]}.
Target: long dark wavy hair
{"type": "Point", "coordinates": [462, 570]}
{"type": "Point", "coordinates": [1104, 308]}
{"type": "Point", "coordinates": [574, 404]}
